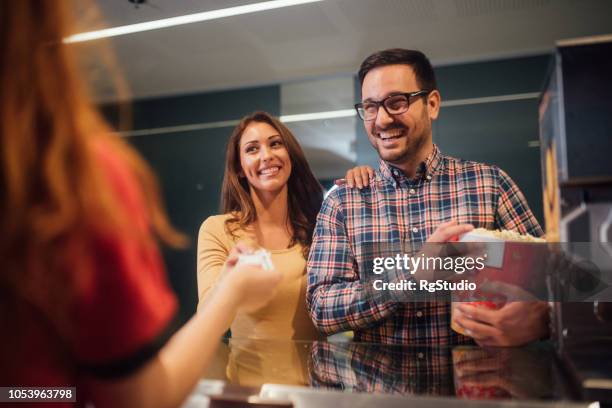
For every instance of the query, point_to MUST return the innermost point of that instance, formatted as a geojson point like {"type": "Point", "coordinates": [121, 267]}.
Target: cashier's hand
{"type": "Point", "coordinates": [250, 287]}
{"type": "Point", "coordinates": [513, 324]}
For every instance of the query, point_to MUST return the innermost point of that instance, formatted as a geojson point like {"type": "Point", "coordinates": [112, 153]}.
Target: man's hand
{"type": "Point", "coordinates": [513, 324]}
{"type": "Point", "coordinates": [449, 231]}
{"type": "Point", "coordinates": [436, 246]}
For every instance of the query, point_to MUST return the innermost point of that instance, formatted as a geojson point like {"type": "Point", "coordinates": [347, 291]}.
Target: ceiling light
{"type": "Point", "coordinates": [186, 19]}
{"type": "Point", "coordinates": [343, 113]}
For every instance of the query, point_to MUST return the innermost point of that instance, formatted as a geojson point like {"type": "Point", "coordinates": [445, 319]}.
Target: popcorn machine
{"type": "Point", "coordinates": [575, 116]}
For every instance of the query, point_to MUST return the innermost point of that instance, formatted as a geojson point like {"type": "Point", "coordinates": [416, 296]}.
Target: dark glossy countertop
{"type": "Point", "coordinates": [268, 372]}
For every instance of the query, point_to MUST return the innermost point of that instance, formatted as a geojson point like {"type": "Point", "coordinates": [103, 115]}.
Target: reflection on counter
{"type": "Point", "coordinates": [251, 363]}
{"type": "Point", "coordinates": [465, 372]}
{"type": "Point", "coordinates": [525, 373]}
{"type": "Point", "coordinates": [378, 368]}
{"type": "Point", "coordinates": [255, 362]}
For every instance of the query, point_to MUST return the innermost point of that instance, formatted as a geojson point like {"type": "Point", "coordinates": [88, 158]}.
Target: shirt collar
{"type": "Point", "coordinates": [425, 169]}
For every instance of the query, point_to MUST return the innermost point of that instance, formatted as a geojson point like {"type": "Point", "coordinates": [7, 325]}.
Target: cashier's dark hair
{"type": "Point", "coordinates": [305, 194]}
{"type": "Point", "coordinates": [423, 70]}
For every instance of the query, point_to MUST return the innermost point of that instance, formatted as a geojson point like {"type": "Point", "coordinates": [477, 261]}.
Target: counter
{"type": "Point", "coordinates": [336, 374]}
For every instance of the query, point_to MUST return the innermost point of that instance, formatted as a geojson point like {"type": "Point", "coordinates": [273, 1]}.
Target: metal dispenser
{"type": "Point", "coordinates": [575, 115]}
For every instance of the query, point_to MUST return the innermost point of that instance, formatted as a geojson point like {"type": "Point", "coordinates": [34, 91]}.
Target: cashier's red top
{"type": "Point", "coordinates": [121, 316]}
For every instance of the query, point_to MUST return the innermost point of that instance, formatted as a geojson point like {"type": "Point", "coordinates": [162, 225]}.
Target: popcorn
{"type": "Point", "coordinates": [510, 258]}
{"type": "Point", "coordinates": [505, 235]}
{"type": "Point", "coordinates": [495, 240]}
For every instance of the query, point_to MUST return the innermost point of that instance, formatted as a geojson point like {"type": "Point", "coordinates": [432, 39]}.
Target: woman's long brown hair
{"type": "Point", "coordinates": [305, 194]}
{"type": "Point", "coordinates": [52, 191]}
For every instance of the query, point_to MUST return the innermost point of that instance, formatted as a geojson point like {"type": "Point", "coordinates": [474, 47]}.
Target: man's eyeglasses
{"type": "Point", "coordinates": [393, 104]}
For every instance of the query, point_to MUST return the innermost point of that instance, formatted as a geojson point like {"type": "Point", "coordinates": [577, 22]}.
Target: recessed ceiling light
{"type": "Point", "coordinates": [186, 19]}
{"type": "Point", "coordinates": [302, 117]}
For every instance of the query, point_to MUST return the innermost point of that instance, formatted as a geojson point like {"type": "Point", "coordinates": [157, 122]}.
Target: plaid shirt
{"type": "Point", "coordinates": [397, 209]}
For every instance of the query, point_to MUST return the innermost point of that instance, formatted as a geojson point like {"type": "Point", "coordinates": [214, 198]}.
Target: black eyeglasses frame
{"type": "Point", "coordinates": [408, 95]}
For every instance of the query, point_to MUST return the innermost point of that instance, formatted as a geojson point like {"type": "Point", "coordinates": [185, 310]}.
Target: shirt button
{"type": "Point", "coordinates": [428, 177]}
{"type": "Point", "coordinates": [415, 230]}
{"type": "Point", "coordinates": [419, 314]}
{"type": "Point", "coordinates": [420, 355]}
{"type": "Point", "coordinates": [412, 191]}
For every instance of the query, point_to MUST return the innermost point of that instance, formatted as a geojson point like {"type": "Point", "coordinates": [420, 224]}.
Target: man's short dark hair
{"type": "Point", "coordinates": [415, 59]}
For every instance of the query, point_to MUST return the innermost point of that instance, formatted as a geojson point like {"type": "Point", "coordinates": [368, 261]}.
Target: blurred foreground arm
{"type": "Point", "coordinates": [170, 376]}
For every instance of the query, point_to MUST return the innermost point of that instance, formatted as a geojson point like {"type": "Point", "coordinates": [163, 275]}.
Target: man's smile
{"type": "Point", "coordinates": [390, 136]}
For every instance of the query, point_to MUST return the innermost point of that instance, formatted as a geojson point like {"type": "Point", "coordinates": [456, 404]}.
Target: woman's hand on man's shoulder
{"type": "Point", "coordinates": [358, 176]}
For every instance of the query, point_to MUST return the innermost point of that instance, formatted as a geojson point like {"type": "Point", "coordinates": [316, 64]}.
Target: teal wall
{"type": "Point", "coordinates": [496, 132]}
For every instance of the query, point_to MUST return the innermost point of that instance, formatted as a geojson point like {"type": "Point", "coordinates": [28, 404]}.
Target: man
{"type": "Point", "coordinates": [417, 195]}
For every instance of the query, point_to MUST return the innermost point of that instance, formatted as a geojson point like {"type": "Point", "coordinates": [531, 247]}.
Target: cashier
{"type": "Point", "coordinates": [417, 195]}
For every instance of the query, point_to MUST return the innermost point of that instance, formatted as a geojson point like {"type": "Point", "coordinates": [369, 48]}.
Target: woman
{"type": "Point", "coordinates": [82, 285]}
{"type": "Point", "coordinates": [270, 200]}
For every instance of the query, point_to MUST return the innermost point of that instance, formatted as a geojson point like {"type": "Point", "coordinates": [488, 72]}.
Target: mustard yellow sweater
{"type": "Point", "coordinates": [285, 316]}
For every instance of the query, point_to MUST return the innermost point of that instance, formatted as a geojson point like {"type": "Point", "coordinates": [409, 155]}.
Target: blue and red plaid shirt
{"type": "Point", "coordinates": [396, 209]}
